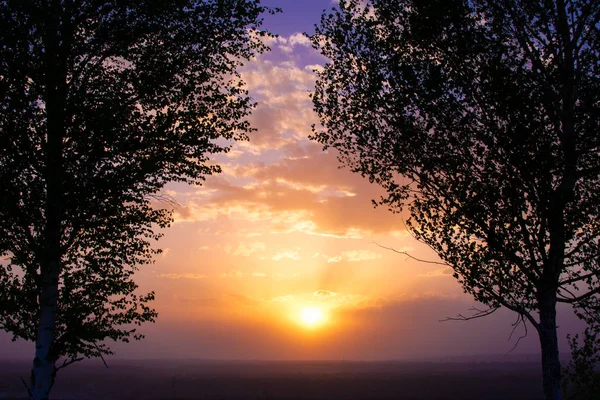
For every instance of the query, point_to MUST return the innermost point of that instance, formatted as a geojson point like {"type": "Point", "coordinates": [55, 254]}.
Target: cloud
{"type": "Point", "coordinates": [344, 301]}
{"type": "Point", "coordinates": [286, 49]}
{"type": "Point", "coordinates": [279, 276]}
{"type": "Point", "coordinates": [360, 255]}
{"type": "Point", "coordinates": [314, 67]}
{"type": "Point", "coordinates": [324, 294]}
{"type": "Point", "coordinates": [284, 113]}
{"type": "Point", "coordinates": [305, 192]}
{"type": "Point", "coordinates": [433, 294]}
{"type": "Point", "coordinates": [446, 271]}
{"type": "Point", "coordinates": [287, 44]}
{"type": "Point", "coordinates": [181, 276]}
{"type": "Point", "coordinates": [286, 254]}
{"type": "Point", "coordinates": [283, 299]}
{"type": "Point", "coordinates": [236, 273]}
{"type": "Point", "coordinates": [352, 256]}
{"type": "Point", "coordinates": [247, 249]}
{"type": "Point", "coordinates": [244, 300]}
{"type": "Point", "coordinates": [299, 39]}
{"type": "Point", "coordinates": [358, 301]}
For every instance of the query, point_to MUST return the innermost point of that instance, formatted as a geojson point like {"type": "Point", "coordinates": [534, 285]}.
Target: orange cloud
{"type": "Point", "coordinates": [247, 249]}
{"type": "Point", "coordinates": [324, 294]}
{"type": "Point", "coordinates": [303, 192]}
{"type": "Point", "coordinates": [286, 254]}
{"type": "Point", "coordinates": [182, 276]}
{"type": "Point", "coordinates": [446, 271]}
{"type": "Point", "coordinates": [236, 273]}
{"type": "Point", "coordinates": [283, 299]}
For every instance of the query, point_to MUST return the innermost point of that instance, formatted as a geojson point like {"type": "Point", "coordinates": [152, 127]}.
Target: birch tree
{"type": "Point", "coordinates": [101, 104]}
{"type": "Point", "coordinates": [481, 120]}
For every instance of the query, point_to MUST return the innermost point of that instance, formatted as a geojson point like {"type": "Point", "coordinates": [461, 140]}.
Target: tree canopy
{"type": "Point", "coordinates": [480, 119]}
{"type": "Point", "coordinates": [101, 104]}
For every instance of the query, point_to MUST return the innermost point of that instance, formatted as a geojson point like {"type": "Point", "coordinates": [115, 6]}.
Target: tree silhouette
{"type": "Point", "coordinates": [582, 378]}
{"type": "Point", "coordinates": [480, 119]}
{"type": "Point", "coordinates": [102, 103]}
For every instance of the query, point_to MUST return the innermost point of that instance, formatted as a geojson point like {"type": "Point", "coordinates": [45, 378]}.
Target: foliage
{"type": "Point", "coordinates": [101, 104]}
{"type": "Point", "coordinates": [582, 377]}
{"type": "Point", "coordinates": [480, 119]}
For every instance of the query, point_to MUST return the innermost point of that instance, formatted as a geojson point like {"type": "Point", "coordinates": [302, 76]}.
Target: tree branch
{"type": "Point", "coordinates": [519, 310]}
{"type": "Point", "coordinates": [478, 314]}
{"type": "Point", "coordinates": [410, 256]}
{"type": "Point", "coordinates": [26, 386]}
{"type": "Point", "coordinates": [100, 354]}
{"type": "Point", "coordinates": [577, 299]}
{"type": "Point", "coordinates": [520, 320]}
{"type": "Point", "coordinates": [579, 278]}
{"type": "Point", "coordinates": [68, 362]}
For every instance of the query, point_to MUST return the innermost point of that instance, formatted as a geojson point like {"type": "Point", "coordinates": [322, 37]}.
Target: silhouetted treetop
{"type": "Point", "coordinates": [101, 104]}
{"type": "Point", "coordinates": [480, 119]}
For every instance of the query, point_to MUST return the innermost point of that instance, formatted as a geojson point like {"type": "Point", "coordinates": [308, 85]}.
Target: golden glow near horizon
{"type": "Point", "coordinates": [312, 317]}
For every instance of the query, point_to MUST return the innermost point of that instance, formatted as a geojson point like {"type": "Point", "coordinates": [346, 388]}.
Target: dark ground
{"type": "Point", "coordinates": [249, 380]}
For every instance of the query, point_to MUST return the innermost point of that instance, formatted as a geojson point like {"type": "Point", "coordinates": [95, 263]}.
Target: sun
{"type": "Point", "coordinates": [312, 317]}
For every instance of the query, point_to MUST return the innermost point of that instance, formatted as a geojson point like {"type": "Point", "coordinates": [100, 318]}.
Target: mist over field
{"type": "Point", "coordinates": [459, 378]}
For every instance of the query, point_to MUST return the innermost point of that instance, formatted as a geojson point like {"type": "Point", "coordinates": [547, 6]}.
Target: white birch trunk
{"type": "Point", "coordinates": [44, 371]}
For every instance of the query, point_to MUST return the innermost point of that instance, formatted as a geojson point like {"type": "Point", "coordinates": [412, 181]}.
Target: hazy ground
{"type": "Point", "coordinates": [154, 380]}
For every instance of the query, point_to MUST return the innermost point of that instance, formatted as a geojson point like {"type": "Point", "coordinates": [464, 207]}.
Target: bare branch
{"type": "Point", "coordinates": [562, 296]}
{"type": "Point", "coordinates": [167, 199]}
{"type": "Point", "coordinates": [579, 298]}
{"type": "Point", "coordinates": [103, 361]}
{"type": "Point", "coordinates": [478, 313]}
{"type": "Point", "coordinates": [410, 256]}
{"type": "Point", "coordinates": [518, 309]}
{"type": "Point", "coordinates": [100, 355]}
{"type": "Point", "coordinates": [520, 320]}
{"type": "Point", "coordinates": [579, 278]}
{"type": "Point", "coordinates": [26, 385]}
{"type": "Point", "coordinates": [68, 362]}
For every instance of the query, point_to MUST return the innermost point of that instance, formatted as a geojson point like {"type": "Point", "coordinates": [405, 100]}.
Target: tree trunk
{"type": "Point", "coordinates": [44, 370]}
{"type": "Point", "coordinates": [549, 342]}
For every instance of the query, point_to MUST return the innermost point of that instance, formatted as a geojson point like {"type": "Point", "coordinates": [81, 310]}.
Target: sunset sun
{"type": "Point", "coordinates": [312, 317]}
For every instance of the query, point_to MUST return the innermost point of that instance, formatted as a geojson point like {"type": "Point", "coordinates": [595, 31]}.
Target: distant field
{"type": "Point", "coordinates": [214, 380]}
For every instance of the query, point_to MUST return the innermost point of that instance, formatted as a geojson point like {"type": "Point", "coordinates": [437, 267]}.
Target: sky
{"type": "Point", "coordinates": [280, 257]}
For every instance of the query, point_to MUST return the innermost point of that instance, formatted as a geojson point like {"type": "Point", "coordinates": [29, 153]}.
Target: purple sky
{"type": "Point", "coordinates": [297, 16]}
